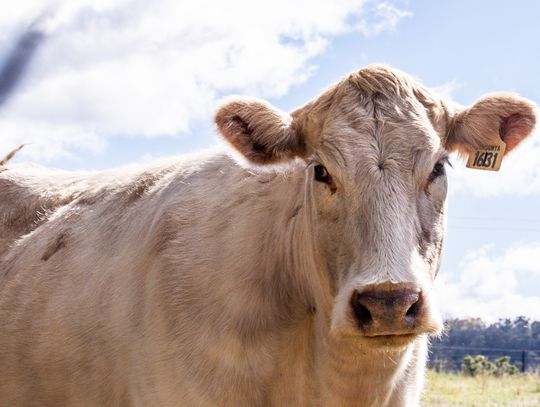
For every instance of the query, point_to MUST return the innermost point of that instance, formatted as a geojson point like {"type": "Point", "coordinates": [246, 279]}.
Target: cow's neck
{"type": "Point", "coordinates": [290, 261]}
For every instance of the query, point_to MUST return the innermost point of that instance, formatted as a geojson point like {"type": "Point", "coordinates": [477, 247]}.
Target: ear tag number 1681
{"type": "Point", "coordinates": [489, 157]}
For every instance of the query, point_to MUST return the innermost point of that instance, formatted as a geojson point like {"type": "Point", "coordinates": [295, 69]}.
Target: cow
{"type": "Point", "coordinates": [292, 267]}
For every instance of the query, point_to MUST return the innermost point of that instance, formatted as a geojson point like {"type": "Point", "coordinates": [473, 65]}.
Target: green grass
{"type": "Point", "coordinates": [447, 389]}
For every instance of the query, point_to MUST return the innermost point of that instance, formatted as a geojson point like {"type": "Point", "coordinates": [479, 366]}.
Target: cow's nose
{"type": "Point", "coordinates": [387, 310]}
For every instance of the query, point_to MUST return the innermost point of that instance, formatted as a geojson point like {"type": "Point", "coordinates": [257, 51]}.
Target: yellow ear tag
{"type": "Point", "coordinates": [488, 158]}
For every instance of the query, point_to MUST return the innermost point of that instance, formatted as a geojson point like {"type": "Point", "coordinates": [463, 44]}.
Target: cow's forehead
{"type": "Point", "coordinates": [379, 131]}
{"type": "Point", "coordinates": [381, 108]}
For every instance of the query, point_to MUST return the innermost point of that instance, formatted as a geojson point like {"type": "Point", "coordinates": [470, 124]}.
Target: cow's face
{"type": "Point", "coordinates": [376, 151]}
{"type": "Point", "coordinates": [380, 190]}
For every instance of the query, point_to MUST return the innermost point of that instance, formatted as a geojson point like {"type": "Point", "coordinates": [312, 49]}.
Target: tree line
{"type": "Point", "coordinates": [517, 333]}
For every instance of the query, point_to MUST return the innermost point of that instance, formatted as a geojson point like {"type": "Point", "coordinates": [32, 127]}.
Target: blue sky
{"type": "Point", "coordinates": [123, 81]}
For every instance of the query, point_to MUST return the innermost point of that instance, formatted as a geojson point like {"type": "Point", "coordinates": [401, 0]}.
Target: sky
{"type": "Point", "coordinates": [128, 81]}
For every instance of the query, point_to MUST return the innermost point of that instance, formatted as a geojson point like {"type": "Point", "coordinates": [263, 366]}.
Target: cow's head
{"type": "Point", "coordinates": [376, 149]}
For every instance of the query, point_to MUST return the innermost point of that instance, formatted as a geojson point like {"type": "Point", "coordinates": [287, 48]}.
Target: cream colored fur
{"type": "Point", "coordinates": [202, 282]}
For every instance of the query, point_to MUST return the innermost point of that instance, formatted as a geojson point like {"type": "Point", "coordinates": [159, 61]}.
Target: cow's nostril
{"type": "Point", "coordinates": [413, 312]}
{"type": "Point", "coordinates": [362, 314]}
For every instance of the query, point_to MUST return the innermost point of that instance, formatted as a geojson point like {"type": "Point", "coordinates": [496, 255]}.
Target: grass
{"type": "Point", "coordinates": [449, 390]}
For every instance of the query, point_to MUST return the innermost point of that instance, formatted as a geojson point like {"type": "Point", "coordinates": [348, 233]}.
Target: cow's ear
{"type": "Point", "coordinates": [262, 133]}
{"type": "Point", "coordinates": [493, 117]}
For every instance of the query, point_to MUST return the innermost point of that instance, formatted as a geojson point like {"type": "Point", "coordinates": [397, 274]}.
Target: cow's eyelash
{"type": "Point", "coordinates": [446, 160]}
{"type": "Point", "coordinates": [439, 169]}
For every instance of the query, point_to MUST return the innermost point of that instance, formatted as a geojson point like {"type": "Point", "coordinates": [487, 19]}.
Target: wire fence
{"type": "Point", "coordinates": [449, 358]}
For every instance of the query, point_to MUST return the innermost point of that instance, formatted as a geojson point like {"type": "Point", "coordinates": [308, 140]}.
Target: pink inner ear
{"type": "Point", "coordinates": [514, 129]}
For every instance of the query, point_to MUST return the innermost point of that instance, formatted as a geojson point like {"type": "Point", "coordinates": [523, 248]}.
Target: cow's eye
{"type": "Point", "coordinates": [438, 171]}
{"type": "Point", "coordinates": [321, 174]}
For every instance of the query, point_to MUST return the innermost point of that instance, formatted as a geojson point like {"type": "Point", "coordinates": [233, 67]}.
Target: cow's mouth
{"type": "Point", "coordinates": [389, 341]}
{"type": "Point", "coordinates": [375, 344]}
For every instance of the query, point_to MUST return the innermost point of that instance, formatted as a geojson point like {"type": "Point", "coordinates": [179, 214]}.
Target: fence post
{"type": "Point", "coordinates": [523, 355]}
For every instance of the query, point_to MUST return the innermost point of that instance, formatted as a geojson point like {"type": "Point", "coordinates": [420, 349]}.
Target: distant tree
{"type": "Point", "coordinates": [535, 332]}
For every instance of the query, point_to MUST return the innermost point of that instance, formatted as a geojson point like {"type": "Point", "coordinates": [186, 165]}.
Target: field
{"type": "Point", "coordinates": [445, 389]}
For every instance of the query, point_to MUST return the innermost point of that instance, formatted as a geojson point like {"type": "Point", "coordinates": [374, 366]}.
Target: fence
{"type": "Point", "coordinates": [449, 358]}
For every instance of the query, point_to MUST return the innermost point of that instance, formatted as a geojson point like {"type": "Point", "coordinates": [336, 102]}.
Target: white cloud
{"type": "Point", "coordinates": [486, 284]}
{"type": "Point", "coordinates": [154, 68]}
{"type": "Point", "coordinates": [519, 174]}
{"type": "Point", "coordinates": [385, 17]}
{"type": "Point", "coordinates": [447, 89]}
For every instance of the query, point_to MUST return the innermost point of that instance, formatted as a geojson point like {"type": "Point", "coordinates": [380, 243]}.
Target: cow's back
{"type": "Point", "coordinates": [30, 195]}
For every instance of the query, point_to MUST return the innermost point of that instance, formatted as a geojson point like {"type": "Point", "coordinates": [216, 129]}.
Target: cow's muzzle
{"type": "Point", "coordinates": [390, 309]}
